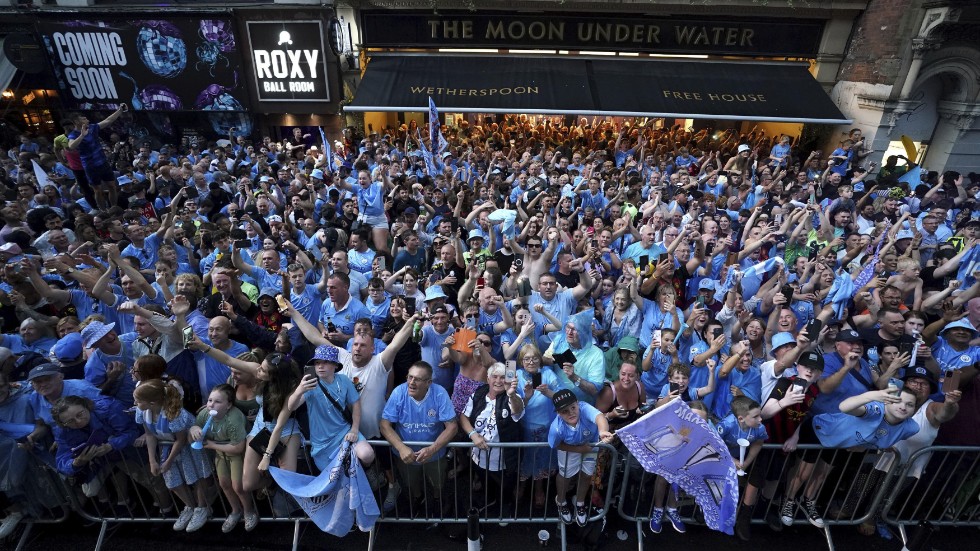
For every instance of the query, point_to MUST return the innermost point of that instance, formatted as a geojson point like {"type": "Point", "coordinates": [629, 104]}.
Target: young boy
{"type": "Point", "coordinates": [745, 421]}
{"type": "Point", "coordinates": [679, 377]}
{"type": "Point", "coordinates": [908, 281]}
{"type": "Point", "coordinates": [658, 359]}
{"type": "Point", "coordinates": [573, 433]}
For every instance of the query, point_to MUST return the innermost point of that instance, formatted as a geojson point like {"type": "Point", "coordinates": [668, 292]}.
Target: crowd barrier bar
{"type": "Point", "coordinates": [133, 496]}
{"type": "Point", "coordinates": [849, 495]}
{"type": "Point", "coordinates": [946, 493]}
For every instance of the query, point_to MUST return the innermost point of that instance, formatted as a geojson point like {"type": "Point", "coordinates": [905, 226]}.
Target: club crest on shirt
{"type": "Point", "coordinates": [432, 413]}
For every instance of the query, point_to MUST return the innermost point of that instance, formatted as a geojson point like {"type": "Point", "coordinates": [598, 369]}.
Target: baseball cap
{"type": "Point", "coordinates": [744, 147]}
{"type": "Point", "coordinates": [43, 370]}
{"type": "Point", "coordinates": [326, 353]}
{"type": "Point", "coordinates": [563, 398]}
{"type": "Point", "coordinates": [812, 359]}
{"type": "Point", "coordinates": [849, 335]}
{"type": "Point", "coordinates": [68, 349]}
{"type": "Point", "coordinates": [410, 210]}
{"type": "Point", "coordinates": [440, 310]}
{"type": "Point", "coordinates": [904, 234]}
{"type": "Point", "coordinates": [921, 373]}
{"type": "Point", "coordinates": [275, 218]}
{"type": "Point", "coordinates": [707, 284]}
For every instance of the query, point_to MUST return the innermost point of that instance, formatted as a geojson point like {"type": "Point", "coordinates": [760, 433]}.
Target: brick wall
{"type": "Point", "coordinates": [879, 37]}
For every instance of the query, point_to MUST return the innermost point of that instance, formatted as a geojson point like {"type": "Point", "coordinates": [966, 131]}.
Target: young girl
{"type": "Point", "coordinates": [166, 423]}
{"type": "Point", "coordinates": [679, 377]}
{"type": "Point", "coordinates": [226, 436]}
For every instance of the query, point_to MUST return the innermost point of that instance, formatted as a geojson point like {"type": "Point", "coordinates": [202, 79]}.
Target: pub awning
{"type": "Point", "coordinates": [669, 88]}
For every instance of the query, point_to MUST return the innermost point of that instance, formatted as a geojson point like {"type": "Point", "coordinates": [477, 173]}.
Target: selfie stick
{"type": "Point", "coordinates": [742, 445]}
{"type": "Point", "coordinates": [199, 445]}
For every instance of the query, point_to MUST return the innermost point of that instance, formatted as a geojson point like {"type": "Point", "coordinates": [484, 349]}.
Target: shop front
{"type": "Point", "coordinates": [702, 70]}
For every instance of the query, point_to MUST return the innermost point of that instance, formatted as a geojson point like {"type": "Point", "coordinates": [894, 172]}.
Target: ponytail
{"type": "Point", "coordinates": [167, 395]}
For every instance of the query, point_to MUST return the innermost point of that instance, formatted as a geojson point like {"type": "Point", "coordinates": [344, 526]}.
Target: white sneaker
{"type": "Point", "coordinates": [230, 522]}
{"type": "Point", "coordinates": [92, 487]}
{"type": "Point", "coordinates": [10, 523]}
{"type": "Point", "coordinates": [183, 519]}
{"type": "Point", "coordinates": [201, 515]}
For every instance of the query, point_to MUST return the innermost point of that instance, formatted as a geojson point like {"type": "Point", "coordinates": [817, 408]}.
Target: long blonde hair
{"type": "Point", "coordinates": [156, 390]}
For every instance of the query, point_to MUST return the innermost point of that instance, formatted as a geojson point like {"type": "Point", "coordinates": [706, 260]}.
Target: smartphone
{"type": "Point", "coordinates": [800, 385]}
{"type": "Point", "coordinates": [311, 371]}
{"type": "Point", "coordinates": [187, 333]}
{"type": "Point", "coordinates": [905, 348]}
{"type": "Point", "coordinates": [700, 301]}
{"type": "Point", "coordinates": [595, 244]}
{"type": "Point", "coordinates": [511, 373]}
{"type": "Point", "coordinates": [813, 328]}
{"type": "Point", "coordinates": [410, 306]}
{"type": "Point", "coordinates": [787, 291]}
{"type": "Point", "coordinates": [283, 303]}
{"type": "Point", "coordinates": [481, 282]}
{"type": "Point", "coordinates": [716, 332]}
{"type": "Point", "coordinates": [238, 234]}
{"type": "Point", "coordinates": [519, 263]}
{"type": "Point", "coordinates": [657, 334]}
{"type": "Point", "coordinates": [897, 383]}
{"type": "Point", "coordinates": [381, 264]}
{"type": "Point", "coordinates": [331, 328]}
{"type": "Point", "coordinates": [662, 257]}
{"type": "Point", "coordinates": [536, 379]}
{"type": "Point", "coordinates": [644, 262]}
{"type": "Point", "coordinates": [674, 387]}
{"type": "Point", "coordinates": [242, 244]}
{"type": "Point", "coordinates": [951, 380]}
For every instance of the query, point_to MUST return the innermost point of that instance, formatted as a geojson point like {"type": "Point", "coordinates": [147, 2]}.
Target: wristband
{"type": "Point", "coordinates": [471, 433]}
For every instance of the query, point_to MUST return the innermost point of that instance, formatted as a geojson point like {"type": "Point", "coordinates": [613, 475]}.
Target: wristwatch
{"type": "Point", "coordinates": [70, 271]}
{"type": "Point", "coordinates": [577, 382]}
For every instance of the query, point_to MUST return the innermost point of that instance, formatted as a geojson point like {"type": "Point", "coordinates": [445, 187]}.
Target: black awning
{"type": "Point", "coordinates": [670, 88]}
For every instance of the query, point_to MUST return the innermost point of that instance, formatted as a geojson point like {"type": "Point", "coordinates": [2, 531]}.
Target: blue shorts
{"type": "Point", "coordinates": [100, 174]}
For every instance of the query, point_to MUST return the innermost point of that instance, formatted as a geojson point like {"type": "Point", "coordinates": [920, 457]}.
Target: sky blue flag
{"type": "Point", "coordinates": [868, 271]}
{"type": "Point", "coordinates": [507, 217]}
{"type": "Point", "coordinates": [913, 177]}
{"type": "Point", "coordinates": [675, 443]}
{"type": "Point", "coordinates": [762, 267]}
{"type": "Point", "coordinates": [327, 150]}
{"type": "Point", "coordinates": [969, 264]}
{"type": "Point", "coordinates": [433, 127]}
{"type": "Point", "coordinates": [841, 293]}
{"type": "Point", "coordinates": [336, 499]}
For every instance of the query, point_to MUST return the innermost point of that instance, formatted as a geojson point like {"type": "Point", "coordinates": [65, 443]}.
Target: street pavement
{"type": "Point", "coordinates": [75, 535]}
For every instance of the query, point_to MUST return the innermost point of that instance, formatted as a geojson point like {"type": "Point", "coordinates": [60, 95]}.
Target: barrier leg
{"type": "Point", "coordinates": [295, 534]}
{"type": "Point", "coordinates": [372, 536]}
{"type": "Point", "coordinates": [830, 539]}
{"type": "Point", "coordinates": [903, 534]}
{"type": "Point", "coordinates": [23, 537]}
{"type": "Point", "coordinates": [562, 534]}
{"type": "Point", "coordinates": [101, 540]}
{"type": "Point", "coordinates": [639, 536]}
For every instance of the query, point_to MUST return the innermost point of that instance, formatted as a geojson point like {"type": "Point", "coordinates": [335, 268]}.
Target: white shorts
{"type": "Point", "coordinates": [571, 463]}
{"type": "Point", "coordinates": [379, 222]}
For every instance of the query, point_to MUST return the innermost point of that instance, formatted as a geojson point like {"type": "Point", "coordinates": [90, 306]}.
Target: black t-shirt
{"type": "Point", "coordinates": [876, 342]}
{"type": "Point", "coordinates": [567, 281]}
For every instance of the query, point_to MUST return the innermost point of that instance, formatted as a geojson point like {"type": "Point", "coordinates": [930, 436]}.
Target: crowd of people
{"type": "Point", "coordinates": [204, 309]}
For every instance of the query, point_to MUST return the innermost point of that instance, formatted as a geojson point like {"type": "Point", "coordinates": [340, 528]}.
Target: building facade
{"type": "Point", "coordinates": [893, 67]}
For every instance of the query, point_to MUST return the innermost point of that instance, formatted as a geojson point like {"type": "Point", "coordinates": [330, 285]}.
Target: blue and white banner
{"type": "Point", "coordinates": [327, 150]}
{"type": "Point", "coordinates": [337, 498]}
{"type": "Point", "coordinates": [969, 264]}
{"type": "Point", "coordinates": [674, 442]}
{"type": "Point", "coordinates": [433, 127]}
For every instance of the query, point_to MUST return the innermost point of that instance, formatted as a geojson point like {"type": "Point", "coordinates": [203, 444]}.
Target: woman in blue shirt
{"type": "Point", "coordinates": [537, 463]}
{"type": "Point", "coordinates": [371, 198]}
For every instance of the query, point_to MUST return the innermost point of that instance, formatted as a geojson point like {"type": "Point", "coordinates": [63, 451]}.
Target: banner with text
{"type": "Point", "coordinates": [288, 60]}
{"type": "Point", "coordinates": [176, 64]}
{"type": "Point", "coordinates": [593, 31]}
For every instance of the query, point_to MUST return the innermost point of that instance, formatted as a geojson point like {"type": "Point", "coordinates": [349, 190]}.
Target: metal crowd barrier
{"type": "Point", "coordinates": [48, 497]}
{"type": "Point", "coordinates": [130, 495]}
{"type": "Point", "coordinates": [495, 497]}
{"type": "Point", "coordinates": [850, 494]}
{"type": "Point", "coordinates": [939, 485]}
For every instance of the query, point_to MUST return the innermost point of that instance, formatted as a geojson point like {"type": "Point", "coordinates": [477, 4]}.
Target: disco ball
{"type": "Point", "coordinates": [161, 48]}
{"type": "Point", "coordinates": [157, 97]}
